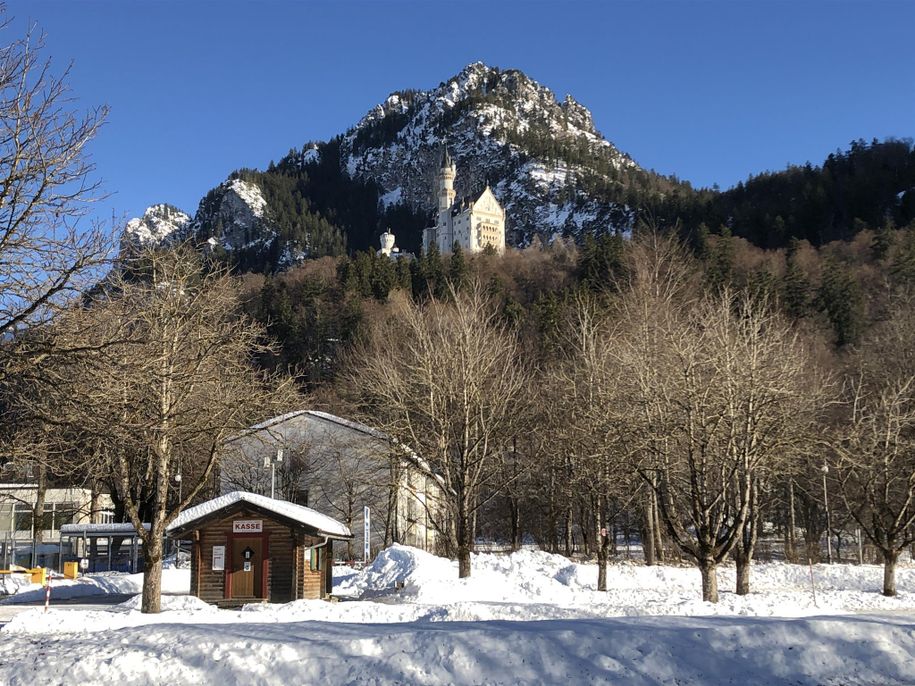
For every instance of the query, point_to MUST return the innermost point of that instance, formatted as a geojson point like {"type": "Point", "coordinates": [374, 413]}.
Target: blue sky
{"type": "Point", "coordinates": [710, 91]}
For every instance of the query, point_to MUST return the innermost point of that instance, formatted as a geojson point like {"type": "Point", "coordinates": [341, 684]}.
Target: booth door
{"type": "Point", "coordinates": [246, 568]}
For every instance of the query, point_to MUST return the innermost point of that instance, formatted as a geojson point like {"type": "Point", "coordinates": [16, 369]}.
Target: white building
{"type": "Point", "coordinates": [338, 466]}
{"type": "Point", "coordinates": [62, 506]}
{"type": "Point", "coordinates": [389, 249]}
{"type": "Point", "coordinates": [473, 222]}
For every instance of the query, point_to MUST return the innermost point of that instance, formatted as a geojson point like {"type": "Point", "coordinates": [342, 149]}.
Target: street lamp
{"type": "Point", "coordinates": [825, 470]}
{"type": "Point", "coordinates": [272, 462]}
{"type": "Point", "coordinates": [177, 542]}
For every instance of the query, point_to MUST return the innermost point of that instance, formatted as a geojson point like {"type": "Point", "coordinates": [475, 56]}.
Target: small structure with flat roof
{"type": "Point", "coordinates": [107, 547]}
{"type": "Point", "coordinates": [248, 548]}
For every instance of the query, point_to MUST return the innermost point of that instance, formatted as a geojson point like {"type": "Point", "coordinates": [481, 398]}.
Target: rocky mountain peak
{"type": "Point", "coordinates": [503, 128]}
{"type": "Point", "coordinates": [159, 224]}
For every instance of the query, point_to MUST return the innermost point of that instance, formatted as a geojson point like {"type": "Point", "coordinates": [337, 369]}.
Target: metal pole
{"type": "Point", "coordinates": [828, 522]}
{"type": "Point", "coordinates": [272, 479]}
{"type": "Point", "coordinates": [860, 546]}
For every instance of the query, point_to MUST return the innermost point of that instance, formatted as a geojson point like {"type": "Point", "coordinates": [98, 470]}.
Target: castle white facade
{"type": "Point", "coordinates": [473, 222]}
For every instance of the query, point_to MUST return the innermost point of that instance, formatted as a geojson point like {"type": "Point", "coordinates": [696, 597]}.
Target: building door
{"type": "Point", "coordinates": [246, 567]}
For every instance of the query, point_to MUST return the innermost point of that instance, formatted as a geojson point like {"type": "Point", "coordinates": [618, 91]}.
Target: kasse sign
{"type": "Point", "coordinates": [248, 526]}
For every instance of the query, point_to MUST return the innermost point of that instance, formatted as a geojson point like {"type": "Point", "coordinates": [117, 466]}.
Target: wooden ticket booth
{"type": "Point", "coordinates": [249, 548]}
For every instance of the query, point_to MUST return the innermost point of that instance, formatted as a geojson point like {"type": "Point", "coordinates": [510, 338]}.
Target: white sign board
{"type": "Point", "coordinates": [219, 558]}
{"type": "Point", "coordinates": [366, 533]}
{"type": "Point", "coordinates": [247, 526]}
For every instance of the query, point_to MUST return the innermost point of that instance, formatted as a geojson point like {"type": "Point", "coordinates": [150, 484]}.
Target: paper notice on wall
{"type": "Point", "coordinates": [219, 558]}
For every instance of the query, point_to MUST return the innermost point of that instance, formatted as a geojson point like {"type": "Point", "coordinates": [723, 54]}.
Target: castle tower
{"type": "Point", "coordinates": [446, 182]}
{"type": "Point", "coordinates": [387, 244]}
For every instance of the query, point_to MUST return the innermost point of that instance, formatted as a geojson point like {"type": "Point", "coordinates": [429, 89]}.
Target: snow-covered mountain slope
{"type": "Point", "coordinates": [159, 224]}
{"type": "Point", "coordinates": [234, 215]}
{"type": "Point", "coordinates": [538, 153]}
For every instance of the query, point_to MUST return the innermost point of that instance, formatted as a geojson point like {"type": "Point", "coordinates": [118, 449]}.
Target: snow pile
{"type": "Point", "coordinates": [170, 603]}
{"type": "Point", "coordinates": [532, 584]}
{"type": "Point", "coordinates": [107, 583]}
{"type": "Point", "coordinates": [13, 583]}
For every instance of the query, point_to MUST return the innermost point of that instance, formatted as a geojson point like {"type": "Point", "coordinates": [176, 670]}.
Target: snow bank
{"type": "Point", "coordinates": [174, 581]}
{"type": "Point", "coordinates": [170, 603]}
{"type": "Point", "coordinates": [13, 583]}
{"type": "Point", "coordinates": [632, 651]}
{"type": "Point", "coordinates": [532, 584]}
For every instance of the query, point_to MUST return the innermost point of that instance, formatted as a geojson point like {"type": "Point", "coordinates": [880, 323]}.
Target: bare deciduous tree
{"type": "Point", "coordinates": [46, 256]}
{"type": "Point", "coordinates": [446, 379]}
{"type": "Point", "coordinates": [166, 395]}
{"type": "Point", "coordinates": [718, 382]}
{"type": "Point", "coordinates": [876, 455]}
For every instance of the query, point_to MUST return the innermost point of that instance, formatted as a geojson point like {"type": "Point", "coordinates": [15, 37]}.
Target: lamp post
{"type": "Point", "coordinates": [825, 470]}
{"type": "Point", "coordinates": [272, 462]}
{"type": "Point", "coordinates": [177, 542]}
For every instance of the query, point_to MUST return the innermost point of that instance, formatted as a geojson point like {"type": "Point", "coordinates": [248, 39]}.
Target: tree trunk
{"type": "Point", "coordinates": [890, 558]}
{"type": "Point", "coordinates": [95, 504]}
{"type": "Point", "coordinates": [463, 561]}
{"type": "Point", "coordinates": [746, 542]}
{"type": "Point", "coordinates": [708, 568]}
{"type": "Point", "coordinates": [569, 543]}
{"type": "Point", "coordinates": [658, 532]}
{"type": "Point", "coordinates": [38, 511]}
{"type": "Point", "coordinates": [658, 543]}
{"type": "Point", "coordinates": [648, 539]}
{"type": "Point", "coordinates": [152, 573]}
{"type": "Point", "coordinates": [465, 544]}
{"type": "Point", "coordinates": [743, 573]}
{"type": "Point", "coordinates": [515, 513]}
{"type": "Point", "coordinates": [586, 535]}
{"type": "Point", "coordinates": [790, 539]}
{"type": "Point", "coordinates": [602, 548]}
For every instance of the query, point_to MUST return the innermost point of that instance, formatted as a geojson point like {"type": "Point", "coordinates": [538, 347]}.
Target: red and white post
{"type": "Point", "coordinates": [47, 594]}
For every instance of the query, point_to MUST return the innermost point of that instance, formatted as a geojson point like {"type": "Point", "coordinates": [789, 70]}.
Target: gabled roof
{"type": "Point", "coordinates": [298, 514]}
{"type": "Point", "coordinates": [468, 201]}
{"type": "Point", "coordinates": [273, 428]}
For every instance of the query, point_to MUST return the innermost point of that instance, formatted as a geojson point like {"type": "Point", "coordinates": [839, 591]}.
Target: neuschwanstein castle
{"type": "Point", "coordinates": [472, 222]}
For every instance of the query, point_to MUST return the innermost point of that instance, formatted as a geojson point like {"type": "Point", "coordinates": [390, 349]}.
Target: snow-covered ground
{"type": "Point", "coordinates": [406, 618]}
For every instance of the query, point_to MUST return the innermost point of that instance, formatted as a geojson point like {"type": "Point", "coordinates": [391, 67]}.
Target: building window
{"type": "Point", "coordinates": [22, 517]}
{"type": "Point", "coordinates": [57, 514]}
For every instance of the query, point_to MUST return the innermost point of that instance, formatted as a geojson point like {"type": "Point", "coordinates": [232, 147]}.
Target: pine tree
{"type": "Point", "coordinates": [458, 270]}
{"type": "Point", "coordinates": [883, 240]}
{"type": "Point", "coordinates": [902, 268]}
{"type": "Point", "coordinates": [796, 287]}
{"type": "Point", "coordinates": [840, 298]}
{"type": "Point", "coordinates": [721, 261]}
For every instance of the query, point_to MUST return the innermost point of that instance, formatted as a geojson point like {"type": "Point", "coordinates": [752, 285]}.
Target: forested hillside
{"type": "Point", "coordinates": [865, 187]}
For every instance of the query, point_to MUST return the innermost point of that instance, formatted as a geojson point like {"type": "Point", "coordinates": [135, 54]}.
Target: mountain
{"type": "Point", "coordinates": [554, 173]}
{"type": "Point", "coordinates": [546, 162]}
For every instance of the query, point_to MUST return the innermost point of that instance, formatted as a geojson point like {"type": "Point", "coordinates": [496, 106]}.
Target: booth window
{"type": "Point", "coordinates": [317, 559]}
